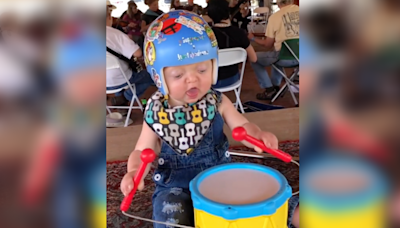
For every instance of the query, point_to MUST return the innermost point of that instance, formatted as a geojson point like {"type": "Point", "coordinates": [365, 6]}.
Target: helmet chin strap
{"type": "Point", "coordinates": [215, 71]}
{"type": "Point", "coordinates": [164, 84]}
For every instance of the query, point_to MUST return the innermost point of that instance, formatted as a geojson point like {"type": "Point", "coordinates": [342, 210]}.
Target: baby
{"type": "Point", "coordinates": [184, 119]}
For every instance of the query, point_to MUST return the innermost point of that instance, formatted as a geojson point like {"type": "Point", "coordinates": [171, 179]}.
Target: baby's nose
{"type": "Point", "coordinates": [192, 78]}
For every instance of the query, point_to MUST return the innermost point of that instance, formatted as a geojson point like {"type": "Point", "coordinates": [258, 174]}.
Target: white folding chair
{"type": "Point", "coordinates": [113, 63]}
{"type": "Point", "coordinates": [227, 57]}
{"type": "Point", "coordinates": [257, 26]}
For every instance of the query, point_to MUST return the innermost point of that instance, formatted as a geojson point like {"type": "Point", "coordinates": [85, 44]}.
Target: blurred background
{"type": "Point", "coordinates": [350, 78]}
{"type": "Point", "coordinates": [52, 132]}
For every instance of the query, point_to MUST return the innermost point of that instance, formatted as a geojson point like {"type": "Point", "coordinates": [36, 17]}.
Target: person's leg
{"type": "Point", "coordinates": [118, 99]}
{"type": "Point", "coordinates": [265, 59]}
{"type": "Point", "coordinates": [227, 81]}
{"type": "Point", "coordinates": [142, 81]}
{"type": "Point", "coordinates": [173, 205]}
{"type": "Point", "coordinates": [276, 77]}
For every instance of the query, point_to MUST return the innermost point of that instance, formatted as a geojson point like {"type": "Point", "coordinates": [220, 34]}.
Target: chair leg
{"type": "Point", "coordinates": [295, 73]}
{"type": "Point", "coordinates": [139, 103]}
{"type": "Point", "coordinates": [108, 110]}
{"type": "Point", "coordinates": [238, 101]}
{"type": "Point", "coordinates": [283, 75]}
{"type": "Point", "coordinates": [135, 98]}
{"type": "Point", "coordinates": [128, 115]}
{"type": "Point", "coordinates": [289, 87]}
{"type": "Point", "coordinates": [283, 87]}
{"type": "Point", "coordinates": [288, 83]}
{"type": "Point", "coordinates": [279, 93]}
{"type": "Point", "coordinates": [293, 96]}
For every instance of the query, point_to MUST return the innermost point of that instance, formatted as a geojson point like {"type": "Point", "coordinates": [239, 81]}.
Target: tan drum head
{"type": "Point", "coordinates": [239, 186]}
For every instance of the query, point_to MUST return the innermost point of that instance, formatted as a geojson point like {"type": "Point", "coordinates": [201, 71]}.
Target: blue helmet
{"type": "Point", "coordinates": [178, 38]}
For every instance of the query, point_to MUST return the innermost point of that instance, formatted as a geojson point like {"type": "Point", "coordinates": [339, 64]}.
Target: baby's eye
{"type": "Point", "coordinates": [178, 76]}
{"type": "Point", "coordinates": [202, 71]}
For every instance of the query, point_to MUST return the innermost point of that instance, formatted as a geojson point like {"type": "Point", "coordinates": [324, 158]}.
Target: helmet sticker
{"type": "Point", "coordinates": [163, 17]}
{"type": "Point", "coordinates": [154, 31]}
{"type": "Point", "coordinates": [190, 24]}
{"type": "Point", "coordinates": [189, 40]}
{"type": "Point", "coordinates": [150, 53]}
{"type": "Point", "coordinates": [211, 35]}
{"type": "Point", "coordinates": [198, 20]}
{"type": "Point", "coordinates": [156, 77]}
{"type": "Point", "coordinates": [192, 55]}
{"type": "Point", "coordinates": [171, 27]}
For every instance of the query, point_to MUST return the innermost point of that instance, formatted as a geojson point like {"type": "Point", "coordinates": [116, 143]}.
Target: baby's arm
{"type": "Point", "coordinates": [235, 119]}
{"type": "Point", "coordinates": [147, 140]}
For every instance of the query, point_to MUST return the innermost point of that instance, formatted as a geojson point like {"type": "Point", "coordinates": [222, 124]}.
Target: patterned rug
{"type": "Point", "coordinates": [141, 203]}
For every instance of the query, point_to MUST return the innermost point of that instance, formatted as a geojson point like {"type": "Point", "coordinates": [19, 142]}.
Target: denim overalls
{"type": "Point", "coordinates": [171, 199]}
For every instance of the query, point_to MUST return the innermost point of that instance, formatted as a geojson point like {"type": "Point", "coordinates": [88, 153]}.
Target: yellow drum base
{"type": "Point", "coordinates": [99, 216]}
{"type": "Point", "coordinates": [276, 220]}
{"type": "Point", "coordinates": [370, 216]}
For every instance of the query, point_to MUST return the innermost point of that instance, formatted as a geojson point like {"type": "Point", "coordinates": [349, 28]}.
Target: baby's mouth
{"type": "Point", "coordinates": [192, 93]}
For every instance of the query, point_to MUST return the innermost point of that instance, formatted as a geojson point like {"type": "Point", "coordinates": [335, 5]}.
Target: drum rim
{"type": "Point", "coordinates": [232, 212]}
{"type": "Point", "coordinates": [375, 192]}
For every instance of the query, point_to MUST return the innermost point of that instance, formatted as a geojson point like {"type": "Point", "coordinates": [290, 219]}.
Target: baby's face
{"type": "Point", "coordinates": [188, 83]}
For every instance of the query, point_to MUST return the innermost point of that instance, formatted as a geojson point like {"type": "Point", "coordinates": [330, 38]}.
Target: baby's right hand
{"type": "Point", "coordinates": [127, 183]}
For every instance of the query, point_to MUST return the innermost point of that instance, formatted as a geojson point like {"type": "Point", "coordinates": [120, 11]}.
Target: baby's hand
{"type": "Point", "coordinates": [269, 139]}
{"type": "Point", "coordinates": [127, 183]}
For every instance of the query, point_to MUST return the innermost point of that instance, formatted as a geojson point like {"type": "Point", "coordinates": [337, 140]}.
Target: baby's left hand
{"type": "Point", "coordinates": [269, 139]}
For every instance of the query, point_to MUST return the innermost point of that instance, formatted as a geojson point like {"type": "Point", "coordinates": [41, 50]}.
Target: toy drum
{"type": "Point", "coordinates": [240, 195]}
{"type": "Point", "coordinates": [342, 192]}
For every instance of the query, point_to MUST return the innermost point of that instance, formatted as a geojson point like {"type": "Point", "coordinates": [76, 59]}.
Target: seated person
{"type": "Point", "coordinates": [239, 13]}
{"type": "Point", "coordinates": [205, 9]}
{"type": "Point", "coordinates": [121, 43]}
{"type": "Point", "coordinates": [193, 7]}
{"type": "Point", "coordinates": [133, 18]}
{"type": "Point", "coordinates": [282, 25]}
{"type": "Point", "coordinates": [176, 5]}
{"type": "Point", "coordinates": [150, 15]}
{"type": "Point", "coordinates": [228, 36]}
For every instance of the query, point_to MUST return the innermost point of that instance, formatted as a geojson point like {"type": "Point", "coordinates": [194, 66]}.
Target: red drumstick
{"type": "Point", "coordinates": [240, 134]}
{"type": "Point", "coordinates": [147, 156]}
